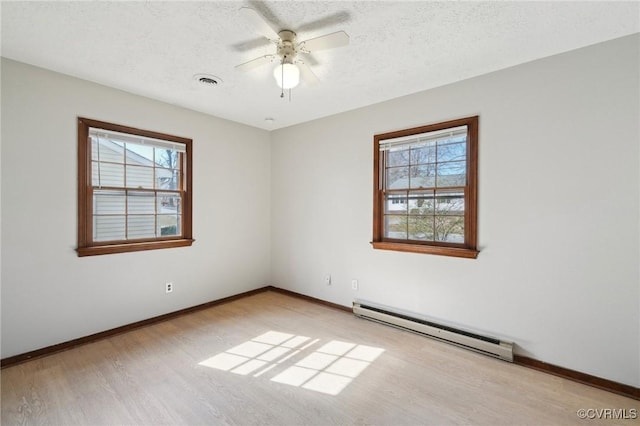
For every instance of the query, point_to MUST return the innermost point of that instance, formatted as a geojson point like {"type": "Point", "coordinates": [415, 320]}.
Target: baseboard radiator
{"type": "Point", "coordinates": [476, 342]}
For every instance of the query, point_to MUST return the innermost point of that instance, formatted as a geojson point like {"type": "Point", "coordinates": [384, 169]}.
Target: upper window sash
{"type": "Point", "coordinates": [116, 156]}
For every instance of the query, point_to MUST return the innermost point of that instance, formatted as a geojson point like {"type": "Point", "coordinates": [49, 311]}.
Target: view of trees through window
{"type": "Point", "coordinates": [424, 182]}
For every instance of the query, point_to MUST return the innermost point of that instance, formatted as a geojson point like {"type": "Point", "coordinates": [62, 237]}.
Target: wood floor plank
{"type": "Point", "coordinates": [230, 364]}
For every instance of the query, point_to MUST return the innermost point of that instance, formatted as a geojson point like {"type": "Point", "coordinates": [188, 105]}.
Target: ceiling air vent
{"type": "Point", "coordinates": [208, 80]}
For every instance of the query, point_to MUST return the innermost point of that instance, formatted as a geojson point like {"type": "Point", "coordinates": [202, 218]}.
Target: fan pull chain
{"type": "Point", "coordinates": [282, 79]}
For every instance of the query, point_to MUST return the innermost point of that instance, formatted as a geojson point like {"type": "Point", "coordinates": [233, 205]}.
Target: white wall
{"type": "Point", "coordinates": [49, 295]}
{"type": "Point", "coordinates": [559, 214]}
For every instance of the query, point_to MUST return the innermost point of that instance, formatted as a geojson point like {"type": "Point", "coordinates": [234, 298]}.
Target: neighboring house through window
{"type": "Point", "coordinates": [425, 189]}
{"type": "Point", "coordinates": [134, 189]}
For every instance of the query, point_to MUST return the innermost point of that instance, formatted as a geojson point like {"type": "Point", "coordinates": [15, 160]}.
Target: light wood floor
{"type": "Point", "coordinates": [259, 369]}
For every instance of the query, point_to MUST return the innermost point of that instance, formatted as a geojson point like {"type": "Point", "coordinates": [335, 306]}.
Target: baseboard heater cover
{"type": "Point", "coordinates": [476, 342]}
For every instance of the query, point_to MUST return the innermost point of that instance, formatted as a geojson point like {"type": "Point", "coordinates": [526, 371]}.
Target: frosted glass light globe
{"type": "Point", "coordinates": [287, 75]}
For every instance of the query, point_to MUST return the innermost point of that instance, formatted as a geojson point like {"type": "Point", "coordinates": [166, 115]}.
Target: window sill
{"type": "Point", "coordinates": [421, 248]}
{"type": "Point", "coordinates": [130, 247]}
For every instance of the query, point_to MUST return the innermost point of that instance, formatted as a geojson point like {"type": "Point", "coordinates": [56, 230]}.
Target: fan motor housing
{"type": "Point", "coordinates": [287, 48]}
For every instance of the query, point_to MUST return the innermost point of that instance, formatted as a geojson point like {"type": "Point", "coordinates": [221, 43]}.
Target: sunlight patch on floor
{"type": "Point", "coordinates": [328, 369]}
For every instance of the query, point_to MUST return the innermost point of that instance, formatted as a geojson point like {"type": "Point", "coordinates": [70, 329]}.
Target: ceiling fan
{"type": "Point", "coordinates": [290, 52]}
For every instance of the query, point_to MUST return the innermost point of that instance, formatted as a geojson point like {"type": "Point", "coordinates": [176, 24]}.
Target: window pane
{"type": "Point", "coordinates": [167, 178]}
{"type": "Point", "coordinates": [424, 154]}
{"type": "Point", "coordinates": [421, 228]}
{"type": "Point", "coordinates": [449, 229]}
{"type": "Point", "coordinates": [109, 202]}
{"type": "Point", "coordinates": [395, 226]}
{"type": "Point", "coordinates": [398, 157]}
{"type": "Point", "coordinates": [141, 202]}
{"type": "Point", "coordinates": [169, 225]}
{"type": "Point", "coordinates": [452, 151]}
{"type": "Point", "coordinates": [167, 158]}
{"type": "Point", "coordinates": [452, 174]}
{"type": "Point", "coordinates": [397, 178]}
{"type": "Point", "coordinates": [450, 202]}
{"type": "Point", "coordinates": [139, 154]}
{"type": "Point", "coordinates": [109, 228]}
{"type": "Point", "coordinates": [106, 150]}
{"type": "Point", "coordinates": [423, 176]}
{"type": "Point", "coordinates": [139, 177]}
{"type": "Point", "coordinates": [396, 203]}
{"type": "Point", "coordinates": [141, 226]}
{"type": "Point", "coordinates": [421, 202]}
{"type": "Point", "coordinates": [107, 174]}
{"type": "Point", "coordinates": [169, 203]}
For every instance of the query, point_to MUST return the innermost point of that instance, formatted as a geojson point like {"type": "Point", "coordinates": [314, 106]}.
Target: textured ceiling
{"type": "Point", "coordinates": [155, 48]}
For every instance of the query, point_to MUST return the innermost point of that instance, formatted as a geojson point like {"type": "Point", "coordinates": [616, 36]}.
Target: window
{"type": "Point", "coordinates": [425, 189]}
{"type": "Point", "coordinates": [134, 189]}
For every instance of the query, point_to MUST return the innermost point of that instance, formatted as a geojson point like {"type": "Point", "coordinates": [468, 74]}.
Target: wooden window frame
{"type": "Point", "coordinates": [468, 249]}
{"type": "Point", "coordinates": [86, 245]}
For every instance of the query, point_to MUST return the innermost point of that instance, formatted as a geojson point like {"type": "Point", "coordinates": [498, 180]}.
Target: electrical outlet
{"type": "Point", "coordinates": [168, 287]}
{"type": "Point", "coordinates": [327, 279]}
{"type": "Point", "coordinates": [354, 284]}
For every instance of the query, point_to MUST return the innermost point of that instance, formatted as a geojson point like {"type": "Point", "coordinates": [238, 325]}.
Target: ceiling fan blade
{"type": "Point", "coordinates": [259, 23]}
{"type": "Point", "coordinates": [254, 63]}
{"type": "Point", "coordinates": [308, 59]}
{"type": "Point", "coordinates": [245, 46]}
{"type": "Point", "coordinates": [328, 21]}
{"type": "Point", "coordinates": [307, 75]}
{"type": "Point", "coordinates": [329, 41]}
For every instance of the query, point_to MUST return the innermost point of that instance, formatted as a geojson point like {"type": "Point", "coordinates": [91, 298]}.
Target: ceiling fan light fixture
{"type": "Point", "coordinates": [287, 75]}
